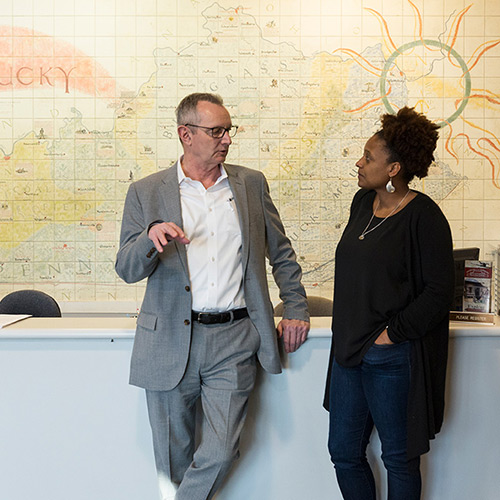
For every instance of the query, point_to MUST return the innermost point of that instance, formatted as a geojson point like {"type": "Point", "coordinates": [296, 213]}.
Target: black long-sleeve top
{"type": "Point", "coordinates": [399, 276]}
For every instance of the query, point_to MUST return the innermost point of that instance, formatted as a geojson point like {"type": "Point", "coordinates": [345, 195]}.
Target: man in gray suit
{"type": "Point", "coordinates": [200, 232]}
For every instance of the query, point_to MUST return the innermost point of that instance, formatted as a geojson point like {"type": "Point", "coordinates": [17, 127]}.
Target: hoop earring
{"type": "Point", "coordinates": [389, 187]}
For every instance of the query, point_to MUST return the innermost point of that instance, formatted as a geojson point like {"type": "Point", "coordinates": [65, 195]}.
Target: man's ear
{"type": "Point", "coordinates": [184, 134]}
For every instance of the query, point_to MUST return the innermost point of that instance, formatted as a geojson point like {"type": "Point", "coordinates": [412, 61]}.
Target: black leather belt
{"type": "Point", "coordinates": [221, 317]}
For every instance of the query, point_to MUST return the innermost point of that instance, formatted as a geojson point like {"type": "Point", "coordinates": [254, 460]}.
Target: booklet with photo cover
{"type": "Point", "coordinates": [478, 277]}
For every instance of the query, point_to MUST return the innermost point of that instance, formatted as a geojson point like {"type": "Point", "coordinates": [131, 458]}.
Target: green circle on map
{"type": "Point", "coordinates": [434, 43]}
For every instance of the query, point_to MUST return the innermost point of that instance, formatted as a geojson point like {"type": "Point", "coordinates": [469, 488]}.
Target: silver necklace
{"type": "Point", "coordinates": [365, 232]}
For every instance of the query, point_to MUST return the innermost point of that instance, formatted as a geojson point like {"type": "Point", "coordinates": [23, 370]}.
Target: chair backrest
{"type": "Point", "coordinates": [318, 306]}
{"type": "Point", "coordinates": [33, 302]}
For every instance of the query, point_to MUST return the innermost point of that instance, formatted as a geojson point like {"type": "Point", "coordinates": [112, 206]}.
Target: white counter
{"type": "Point", "coordinates": [124, 328]}
{"type": "Point", "coordinates": [71, 426]}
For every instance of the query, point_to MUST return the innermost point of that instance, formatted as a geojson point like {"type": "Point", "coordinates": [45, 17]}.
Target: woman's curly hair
{"type": "Point", "coordinates": [410, 139]}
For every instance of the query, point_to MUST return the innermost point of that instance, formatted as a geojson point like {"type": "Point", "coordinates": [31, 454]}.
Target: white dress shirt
{"type": "Point", "coordinates": [211, 223]}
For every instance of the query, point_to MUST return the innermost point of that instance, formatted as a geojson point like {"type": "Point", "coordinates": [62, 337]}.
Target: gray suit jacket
{"type": "Point", "coordinates": [162, 340]}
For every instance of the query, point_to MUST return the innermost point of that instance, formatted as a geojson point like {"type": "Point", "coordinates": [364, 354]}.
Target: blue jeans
{"type": "Point", "coordinates": [373, 393]}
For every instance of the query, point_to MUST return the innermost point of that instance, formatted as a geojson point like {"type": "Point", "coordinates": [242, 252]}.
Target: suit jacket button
{"type": "Point", "coordinates": [187, 288]}
{"type": "Point", "coordinates": [187, 322]}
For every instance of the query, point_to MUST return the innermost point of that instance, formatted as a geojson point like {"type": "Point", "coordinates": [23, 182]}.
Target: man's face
{"type": "Point", "coordinates": [208, 150]}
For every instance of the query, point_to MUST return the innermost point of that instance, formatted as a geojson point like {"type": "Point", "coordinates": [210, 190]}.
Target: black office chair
{"type": "Point", "coordinates": [318, 306]}
{"type": "Point", "coordinates": [33, 302]}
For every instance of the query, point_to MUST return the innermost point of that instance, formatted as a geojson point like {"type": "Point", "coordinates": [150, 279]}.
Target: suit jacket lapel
{"type": "Point", "coordinates": [240, 198]}
{"type": "Point", "coordinates": [172, 207]}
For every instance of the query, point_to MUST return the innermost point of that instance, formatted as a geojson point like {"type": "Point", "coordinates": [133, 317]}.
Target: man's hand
{"type": "Point", "coordinates": [161, 234]}
{"type": "Point", "coordinates": [294, 333]}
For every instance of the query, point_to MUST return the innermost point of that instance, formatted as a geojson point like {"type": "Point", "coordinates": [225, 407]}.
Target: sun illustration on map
{"type": "Point", "coordinates": [433, 77]}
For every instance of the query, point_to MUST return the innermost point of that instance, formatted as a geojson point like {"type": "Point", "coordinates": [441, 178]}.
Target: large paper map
{"type": "Point", "coordinates": [88, 92]}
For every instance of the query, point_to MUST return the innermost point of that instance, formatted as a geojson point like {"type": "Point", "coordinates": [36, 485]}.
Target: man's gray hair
{"type": "Point", "coordinates": [186, 110]}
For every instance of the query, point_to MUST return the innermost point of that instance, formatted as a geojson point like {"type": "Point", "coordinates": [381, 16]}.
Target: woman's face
{"type": "Point", "coordinates": [373, 166]}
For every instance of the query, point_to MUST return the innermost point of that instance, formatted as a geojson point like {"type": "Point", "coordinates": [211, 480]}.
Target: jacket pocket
{"type": "Point", "coordinates": [147, 321]}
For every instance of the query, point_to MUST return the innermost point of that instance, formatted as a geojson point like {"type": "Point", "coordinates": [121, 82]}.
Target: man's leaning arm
{"type": "Point", "coordinates": [287, 273]}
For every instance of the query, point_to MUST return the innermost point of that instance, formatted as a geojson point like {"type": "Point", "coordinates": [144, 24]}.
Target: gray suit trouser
{"type": "Point", "coordinates": [221, 372]}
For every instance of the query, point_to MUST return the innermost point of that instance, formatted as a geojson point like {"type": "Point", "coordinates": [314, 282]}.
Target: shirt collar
{"type": "Point", "coordinates": [183, 178]}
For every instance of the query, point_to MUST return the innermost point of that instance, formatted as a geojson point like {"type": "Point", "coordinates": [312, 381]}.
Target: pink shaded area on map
{"type": "Point", "coordinates": [34, 60]}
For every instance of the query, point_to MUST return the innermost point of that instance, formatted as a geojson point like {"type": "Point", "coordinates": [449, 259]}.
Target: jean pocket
{"type": "Point", "coordinates": [384, 346]}
{"type": "Point", "coordinates": [382, 353]}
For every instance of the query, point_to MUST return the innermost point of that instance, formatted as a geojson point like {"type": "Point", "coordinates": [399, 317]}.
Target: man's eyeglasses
{"type": "Point", "coordinates": [216, 132]}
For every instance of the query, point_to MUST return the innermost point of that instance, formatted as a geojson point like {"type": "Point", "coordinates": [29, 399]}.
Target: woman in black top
{"type": "Point", "coordinates": [393, 291]}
